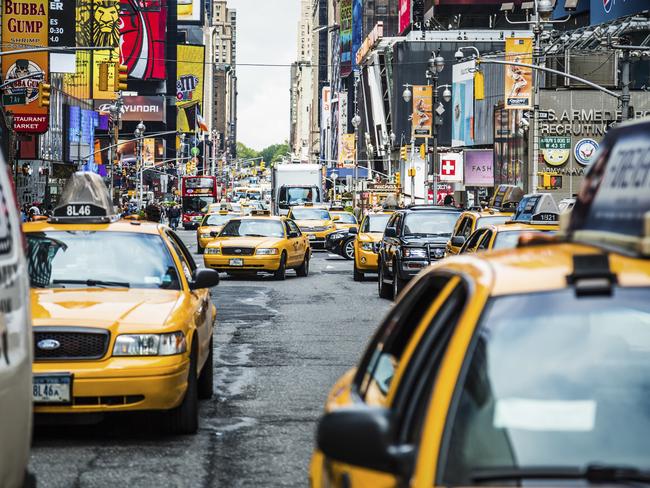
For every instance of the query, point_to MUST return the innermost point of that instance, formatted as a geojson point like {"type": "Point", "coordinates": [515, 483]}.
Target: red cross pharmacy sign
{"type": "Point", "coordinates": [451, 167]}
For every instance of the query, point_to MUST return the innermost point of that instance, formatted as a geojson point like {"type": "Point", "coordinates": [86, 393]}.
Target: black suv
{"type": "Point", "coordinates": [414, 238]}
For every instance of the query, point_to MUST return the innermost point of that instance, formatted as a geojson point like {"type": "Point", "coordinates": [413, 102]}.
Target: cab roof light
{"type": "Point", "coordinates": [592, 275]}
{"type": "Point", "coordinates": [85, 200]}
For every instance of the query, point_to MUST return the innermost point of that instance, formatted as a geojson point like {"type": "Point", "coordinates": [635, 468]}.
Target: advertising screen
{"type": "Point", "coordinates": [188, 11]}
{"type": "Point", "coordinates": [607, 10]}
{"type": "Point", "coordinates": [142, 34]}
{"type": "Point", "coordinates": [346, 37]}
{"type": "Point", "coordinates": [189, 86]}
{"type": "Point", "coordinates": [462, 131]}
{"type": "Point", "coordinates": [404, 15]}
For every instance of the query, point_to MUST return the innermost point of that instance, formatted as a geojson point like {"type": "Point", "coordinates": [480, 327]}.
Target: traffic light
{"type": "Point", "coordinates": [411, 172]}
{"type": "Point", "coordinates": [403, 152]}
{"type": "Point", "coordinates": [479, 85]}
{"type": "Point", "coordinates": [422, 151]}
{"type": "Point", "coordinates": [44, 95]}
{"type": "Point", "coordinates": [121, 76]}
{"type": "Point", "coordinates": [103, 76]}
{"type": "Point", "coordinates": [262, 166]}
{"type": "Point", "coordinates": [398, 178]}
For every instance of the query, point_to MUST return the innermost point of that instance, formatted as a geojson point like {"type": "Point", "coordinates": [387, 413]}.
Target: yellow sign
{"type": "Point", "coordinates": [422, 118]}
{"type": "Point", "coordinates": [109, 58]}
{"type": "Point", "coordinates": [519, 80]}
{"type": "Point", "coordinates": [78, 84]}
{"type": "Point", "coordinates": [189, 86]}
{"type": "Point", "coordinates": [348, 150]}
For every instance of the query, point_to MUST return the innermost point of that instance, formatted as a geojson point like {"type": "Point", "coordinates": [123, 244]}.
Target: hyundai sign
{"type": "Point", "coordinates": [145, 108]}
{"type": "Point", "coordinates": [606, 10]}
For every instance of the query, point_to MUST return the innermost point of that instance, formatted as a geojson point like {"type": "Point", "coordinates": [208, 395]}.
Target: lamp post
{"type": "Point", "coordinates": [356, 121]}
{"type": "Point", "coordinates": [139, 132]}
{"type": "Point", "coordinates": [334, 176]}
{"type": "Point", "coordinates": [436, 65]}
{"type": "Point", "coordinates": [116, 110]}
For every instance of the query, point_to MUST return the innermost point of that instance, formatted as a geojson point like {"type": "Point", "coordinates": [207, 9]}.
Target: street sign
{"type": "Point", "coordinates": [541, 114]}
{"type": "Point", "coordinates": [13, 99]}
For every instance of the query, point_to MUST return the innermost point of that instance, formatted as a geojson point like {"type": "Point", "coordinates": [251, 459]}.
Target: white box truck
{"type": "Point", "coordinates": [295, 184]}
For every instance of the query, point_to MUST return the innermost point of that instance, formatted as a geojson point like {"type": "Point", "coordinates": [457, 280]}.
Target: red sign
{"type": "Point", "coordinates": [448, 167]}
{"type": "Point", "coordinates": [32, 124]}
{"type": "Point", "coordinates": [404, 15]}
{"type": "Point", "coordinates": [142, 33]}
{"type": "Point", "coordinates": [451, 167]}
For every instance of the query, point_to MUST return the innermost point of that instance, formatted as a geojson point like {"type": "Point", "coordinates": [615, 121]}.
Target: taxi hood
{"type": "Point", "coordinates": [92, 307]}
{"type": "Point", "coordinates": [312, 223]}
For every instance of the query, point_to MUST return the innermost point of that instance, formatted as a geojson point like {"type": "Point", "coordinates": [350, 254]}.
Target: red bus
{"type": "Point", "coordinates": [197, 192]}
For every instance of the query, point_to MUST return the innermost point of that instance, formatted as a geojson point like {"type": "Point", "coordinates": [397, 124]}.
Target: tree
{"type": "Point", "coordinates": [275, 152]}
{"type": "Point", "coordinates": [245, 152]}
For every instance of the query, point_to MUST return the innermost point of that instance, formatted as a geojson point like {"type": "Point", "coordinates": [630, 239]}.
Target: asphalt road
{"type": "Point", "coordinates": [279, 346]}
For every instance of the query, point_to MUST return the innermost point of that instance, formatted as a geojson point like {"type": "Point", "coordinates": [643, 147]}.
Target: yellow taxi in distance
{"type": "Point", "coordinates": [516, 367]}
{"type": "Point", "coordinates": [471, 220]}
{"type": "Point", "coordinates": [346, 220]}
{"type": "Point", "coordinates": [210, 227]}
{"type": "Point", "coordinates": [110, 337]}
{"type": "Point", "coordinates": [316, 223]}
{"type": "Point", "coordinates": [367, 242]}
{"type": "Point", "coordinates": [259, 243]}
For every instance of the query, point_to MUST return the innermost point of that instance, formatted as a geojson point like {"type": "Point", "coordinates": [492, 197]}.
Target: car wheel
{"type": "Point", "coordinates": [384, 291]}
{"type": "Point", "coordinates": [281, 273]}
{"type": "Point", "coordinates": [348, 249]}
{"type": "Point", "coordinates": [303, 269]}
{"type": "Point", "coordinates": [398, 283]}
{"type": "Point", "coordinates": [199, 249]}
{"type": "Point", "coordinates": [206, 378]}
{"type": "Point", "coordinates": [356, 274]}
{"type": "Point", "coordinates": [184, 419]}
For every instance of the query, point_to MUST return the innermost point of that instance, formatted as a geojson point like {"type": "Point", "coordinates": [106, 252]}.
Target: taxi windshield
{"type": "Point", "coordinates": [309, 214]}
{"type": "Point", "coordinates": [216, 219]}
{"type": "Point", "coordinates": [430, 223]}
{"type": "Point", "coordinates": [345, 218]}
{"type": "Point", "coordinates": [375, 223]}
{"type": "Point", "coordinates": [252, 228]}
{"type": "Point", "coordinates": [492, 220]}
{"type": "Point", "coordinates": [510, 239]}
{"type": "Point", "coordinates": [64, 259]}
{"type": "Point", "coordinates": [553, 381]}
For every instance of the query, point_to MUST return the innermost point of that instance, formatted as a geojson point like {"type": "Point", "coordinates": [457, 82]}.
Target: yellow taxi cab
{"type": "Point", "coordinates": [210, 227]}
{"type": "Point", "coordinates": [259, 243]}
{"type": "Point", "coordinates": [366, 243]}
{"type": "Point", "coordinates": [315, 222]}
{"type": "Point", "coordinates": [526, 367]}
{"type": "Point", "coordinates": [471, 220]}
{"type": "Point", "coordinates": [536, 214]}
{"type": "Point", "coordinates": [110, 337]}
{"type": "Point", "coordinates": [219, 207]}
{"type": "Point", "coordinates": [345, 221]}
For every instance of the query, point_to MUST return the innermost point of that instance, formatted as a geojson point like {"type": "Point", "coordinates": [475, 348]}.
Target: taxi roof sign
{"type": "Point", "coordinates": [85, 199]}
{"type": "Point", "coordinates": [613, 205]}
{"type": "Point", "coordinates": [259, 212]}
{"type": "Point", "coordinates": [536, 208]}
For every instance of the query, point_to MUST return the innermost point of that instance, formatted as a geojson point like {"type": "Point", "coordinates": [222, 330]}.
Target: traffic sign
{"type": "Point", "coordinates": [13, 99]}
{"type": "Point", "coordinates": [194, 151]}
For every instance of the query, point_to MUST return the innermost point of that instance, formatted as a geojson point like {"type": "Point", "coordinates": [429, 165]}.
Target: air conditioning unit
{"type": "Point", "coordinates": [599, 68]}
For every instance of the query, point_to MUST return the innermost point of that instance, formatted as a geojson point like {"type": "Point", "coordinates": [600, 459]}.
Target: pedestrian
{"type": "Point", "coordinates": [174, 216]}
{"type": "Point", "coordinates": [449, 201]}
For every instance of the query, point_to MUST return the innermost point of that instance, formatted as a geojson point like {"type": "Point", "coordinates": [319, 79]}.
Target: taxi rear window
{"type": "Point", "coordinates": [556, 381]}
{"type": "Point", "coordinates": [69, 259]}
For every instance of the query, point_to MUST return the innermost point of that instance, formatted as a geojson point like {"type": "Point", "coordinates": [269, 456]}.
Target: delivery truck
{"type": "Point", "coordinates": [295, 184]}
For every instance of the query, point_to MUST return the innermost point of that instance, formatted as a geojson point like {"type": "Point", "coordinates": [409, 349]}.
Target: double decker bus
{"type": "Point", "coordinates": [197, 192]}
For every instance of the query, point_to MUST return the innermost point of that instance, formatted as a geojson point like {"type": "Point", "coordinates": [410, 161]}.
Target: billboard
{"type": "Point", "coordinates": [346, 37]}
{"type": "Point", "coordinates": [462, 126]}
{"type": "Point", "coordinates": [25, 24]}
{"type": "Point", "coordinates": [146, 108]}
{"type": "Point", "coordinates": [479, 167]}
{"type": "Point", "coordinates": [451, 167]}
{"type": "Point", "coordinates": [357, 29]}
{"type": "Point", "coordinates": [404, 15]}
{"type": "Point", "coordinates": [519, 81]}
{"type": "Point", "coordinates": [422, 118]}
{"type": "Point", "coordinates": [142, 38]}
{"type": "Point", "coordinates": [189, 85]}
{"type": "Point", "coordinates": [348, 150]}
{"type": "Point", "coordinates": [606, 10]}
{"type": "Point", "coordinates": [188, 11]}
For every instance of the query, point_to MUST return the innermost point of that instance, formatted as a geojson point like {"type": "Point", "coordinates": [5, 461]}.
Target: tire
{"type": "Point", "coordinates": [347, 250]}
{"type": "Point", "coordinates": [356, 274]}
{"type": "Point", "coordinates": [303, 269]}
{"type": "Point", "coordinates": [184, 419]}
{"type": "Point", "coordinates": [199, 249]}
{"type": "Point", "coordinates": [206, 378]}
{"type": "Point", "coordinates": [398, 283]}
{"type": "Point", "coordinates": [281, 273]}
{"type": "Point", "coordinates": [384, 291]}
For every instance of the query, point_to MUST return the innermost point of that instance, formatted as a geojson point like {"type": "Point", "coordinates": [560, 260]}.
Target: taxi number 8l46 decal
{"type": "Point", "coordinates": [83, 210]}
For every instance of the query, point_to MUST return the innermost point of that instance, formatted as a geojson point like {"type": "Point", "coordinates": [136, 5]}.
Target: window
{"type": "Point", "coordinates": [253, 228]}
{"type": "Point", "coordinates": [293, 227]}
{"type": "Point", "coordinates": [430, 223]}
{"type": "Point", "coordinates": [310, 214]}
{"type": "Point", "coordinates": [187, 262]}
{"type": "Point", "coordinates": [472, 242]}
{"type": "Point", "coordinates": [552, 380]}
{"type": "Point", "coordinates": [375, 223]}
{"type": "Point", "coordinates": [485, 242]}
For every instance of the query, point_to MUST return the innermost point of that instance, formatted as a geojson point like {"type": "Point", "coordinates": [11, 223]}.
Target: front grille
{"type": "Point", "coordinates": [436, 253]}
{"type": "Point", "coordinates": [375, 247]}
{"type": "Point", "coordinates": [70, 343]}
{"type": "Point", "coordinates": [238, 251]}
{"type": "Point", "coordinates": [313, 229]}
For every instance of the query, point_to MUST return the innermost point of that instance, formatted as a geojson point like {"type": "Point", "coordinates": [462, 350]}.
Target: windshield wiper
{"type": "Point", "coordinates": [254, 235]}
{"type": "Point", "coordinates": [90, 282]}
{"type": "Point", "coordinates": [593, 473]}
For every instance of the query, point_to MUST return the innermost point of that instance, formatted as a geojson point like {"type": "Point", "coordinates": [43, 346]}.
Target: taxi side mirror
{"type": "Point", "coordinates": [457, 241]}
{"type": "Point", "coordinates": [353, 230]}
{"type": "Point", "coordinates": [204, 278]}
{"type": "Point", "coordinates": [390, 232]}
{"type": "Point", "coordinates": [213, 233]}
{"type": "Point", "coordinates": [293, 235]}
{"type": "Point", "coordinates": [364, 436]}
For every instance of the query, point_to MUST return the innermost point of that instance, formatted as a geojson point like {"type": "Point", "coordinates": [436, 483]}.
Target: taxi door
{"type": "Point", "coordinates": [199, 300]}
{"type": "Point", "coordinates": [425, 311]}
{"type": "Point", "coordinates": [295, 243]}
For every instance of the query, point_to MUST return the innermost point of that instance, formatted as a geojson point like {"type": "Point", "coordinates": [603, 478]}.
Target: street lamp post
{"type": "Point", "coordinates": [334, 176]}
{"type": "Point", "coordinates": [139, 133]}
{"type": "Point", "coordinates": [436, 65]}
{"type": "Point", "coordinates": [356, 121]}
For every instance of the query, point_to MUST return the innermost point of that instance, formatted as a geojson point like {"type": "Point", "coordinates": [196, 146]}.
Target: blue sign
{"type": "Point", "coordinates": [357, 29]}
{"type": "Point", "coordinates": [606, 10]}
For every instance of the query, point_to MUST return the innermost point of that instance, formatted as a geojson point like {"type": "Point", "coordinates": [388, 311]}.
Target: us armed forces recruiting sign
{"type": "Point", "coordinates": [25, 24]}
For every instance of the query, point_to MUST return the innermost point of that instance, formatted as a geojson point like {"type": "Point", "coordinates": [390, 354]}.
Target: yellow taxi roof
{"type": "Point", "coordinates": [509, 226]}
{"type": "Point", "coordinates": [485, 213]}
{"type": "Point", "coordinates": [136, 226]}
{"type": "Point", "coordinates": [508, 271]}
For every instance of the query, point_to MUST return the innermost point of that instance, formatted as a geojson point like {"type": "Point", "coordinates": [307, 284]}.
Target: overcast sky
{"type": "Point", "coordinates": [266, 33]}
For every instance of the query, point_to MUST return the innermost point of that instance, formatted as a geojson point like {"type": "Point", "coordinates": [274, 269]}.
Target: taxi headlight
{"type": "Point", "coordinates": [150, 344]}
{"type": "Point", "coordinates": [415, 252]}
{"type": "Point", "coordinates": [213, 250]}
{"type": "Point", "coordinates": [205, 236]}
{"type": "Point", "coordinates": [266, 251]}
{"type": "Point", "coordinates": [367, 246]}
